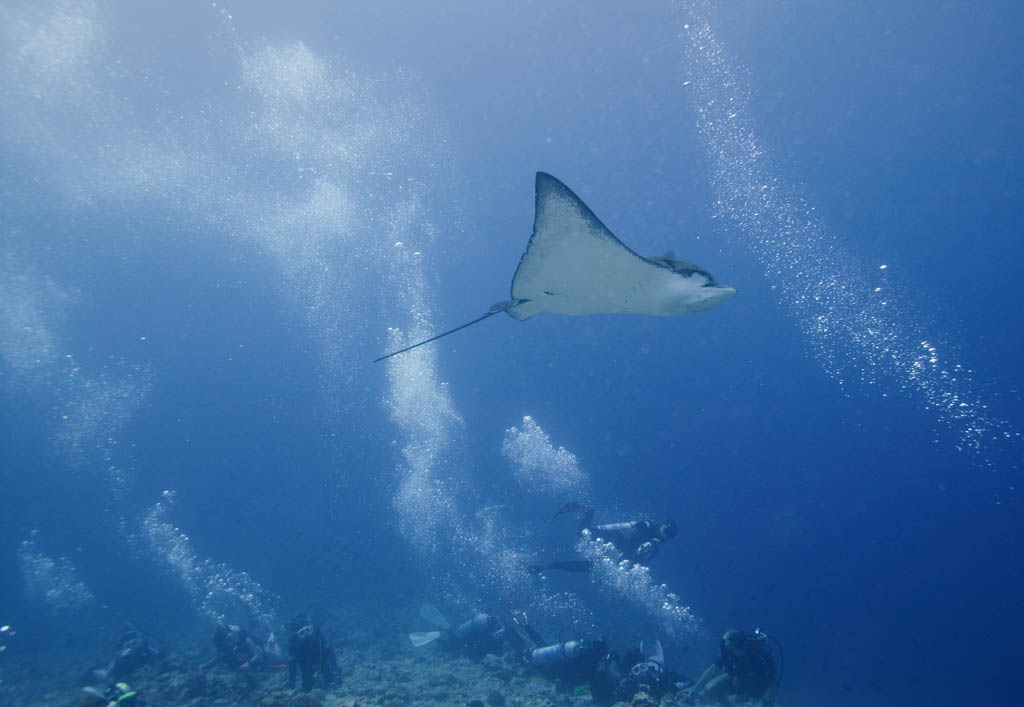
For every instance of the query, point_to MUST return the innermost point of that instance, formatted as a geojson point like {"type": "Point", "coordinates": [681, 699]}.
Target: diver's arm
{"type": "Point", "coordinates": [563, 565]}
{"type": "Point", "coordinates": [586, 522]}
{"type": "Point", "coordinates": [211, 662]}
{"type": "Point", "coordinates": [254, 653]}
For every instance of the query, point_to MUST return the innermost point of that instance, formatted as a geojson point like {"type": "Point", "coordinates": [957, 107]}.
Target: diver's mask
{"type": "Point", "coordinates": [647, 674]}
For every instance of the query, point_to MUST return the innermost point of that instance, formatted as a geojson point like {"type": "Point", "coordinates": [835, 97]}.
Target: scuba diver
{"type": "Point", "coordinates": [641, 672]}
{"type": "Point", "coordinates": [482, 634]}
{"type": "Point", "coordinates": [237, 649]}
{"type": "Point", "coordinates": [310, 653]}
{"type": "Point", "coordinates": [133, 652]}
{"type": "Point", "coordinates": [637, 540]}
{"type": "Point", "coordinates": [744, 670]}
{"type": "Point", "coordinates": [610, 678]}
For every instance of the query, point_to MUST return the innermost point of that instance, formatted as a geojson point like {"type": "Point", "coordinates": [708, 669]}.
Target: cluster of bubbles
{"type": "Point", "coordinates": [570, 612]}
{"type": "Point", "coordinates": [632, 582]}
{"type": "Point", "coordinates": [50, 582]}
{"type": "Point", "coordinates": [217, 591]}
{"type": "Point", "coordinates": [421, 408]}
{"type": "Point", "coordinates": [467, 556]}
{"type": "Point", "coordinates": [296, 159]}
{"type": "Point", "coordinates": [854, 325]}
{"type": "Point", "coordinates": [92, 418]}
{"type": "Point", "coordinates": [28, 346]}
{"type": "Point", "coordinates": [92, 407]}
{"type": "Point", "coordinates": [347, 184]}
{"type": "Point", "coordinates": [540, 467]}
{"type": "Point", "coordinates": [51, 60]}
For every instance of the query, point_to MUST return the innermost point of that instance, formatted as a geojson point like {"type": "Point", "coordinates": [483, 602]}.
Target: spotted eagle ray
{"type": "Point", "coordinates": [574, 265]}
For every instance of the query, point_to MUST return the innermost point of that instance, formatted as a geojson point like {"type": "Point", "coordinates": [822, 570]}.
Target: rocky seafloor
{"type": "Point", "coordinates": [378, 673]}
{"type": "Point", "coordinates": [377, 664]}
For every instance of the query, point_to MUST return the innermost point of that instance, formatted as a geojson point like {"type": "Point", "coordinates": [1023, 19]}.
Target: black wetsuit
{"type": "Point", "coordinates": [235, 650]}
{"type": "Point", "coordinates": [310, 653]}
{"type": "Point", "coordinates": [751, 672]}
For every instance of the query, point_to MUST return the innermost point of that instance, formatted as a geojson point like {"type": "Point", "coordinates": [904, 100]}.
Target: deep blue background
{"type": "Point", "coordinates": [842, 520]}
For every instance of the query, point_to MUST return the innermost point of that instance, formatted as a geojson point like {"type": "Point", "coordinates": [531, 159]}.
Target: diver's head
{"type": "Point", "coordinates": [647, 673]}
{"type": "Point", "coordinates": [667, 529]}
{"type": "Point", "coordinates": [298, 621]}
{"type": "Point", "coordinates": [734, 641]}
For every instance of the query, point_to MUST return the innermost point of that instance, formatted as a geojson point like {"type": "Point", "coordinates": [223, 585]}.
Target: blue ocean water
{"type": "Point", "coordinates": [216, 216]}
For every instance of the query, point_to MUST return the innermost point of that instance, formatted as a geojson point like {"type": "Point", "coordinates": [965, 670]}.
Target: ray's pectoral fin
{"type": "Point", "coordinates": [575, 265]}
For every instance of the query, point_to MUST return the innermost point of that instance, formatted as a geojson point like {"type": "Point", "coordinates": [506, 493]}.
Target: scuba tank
{"type": "Point", "coordinates": [557, 654]}
{"type": "Point", "coordinates": [613, 531]}
{"type": "Point", "coordinates": [573, 655]}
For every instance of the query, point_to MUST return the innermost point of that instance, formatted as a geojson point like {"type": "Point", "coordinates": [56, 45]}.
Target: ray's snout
{"type": "Point", "coordinates": [710, 297]}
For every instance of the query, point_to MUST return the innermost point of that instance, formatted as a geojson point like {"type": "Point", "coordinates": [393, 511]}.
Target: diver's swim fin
{"type": "Point", "coordinates": [422, 638]}
{"type": "Point", "coordinates": [430, 613]}
{"type": "Point", "coordinates": [573, 507]}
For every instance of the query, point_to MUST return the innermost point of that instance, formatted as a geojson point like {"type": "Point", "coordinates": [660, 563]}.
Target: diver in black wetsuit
{"type": "Point", "coordinates": [133, 652]}
{"type": "Point", "coordinates": [744, 670]}
{"type": "Point", "coordinates": [310, 653]}
{"type": "Point", "coordinates": [637, 540]}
